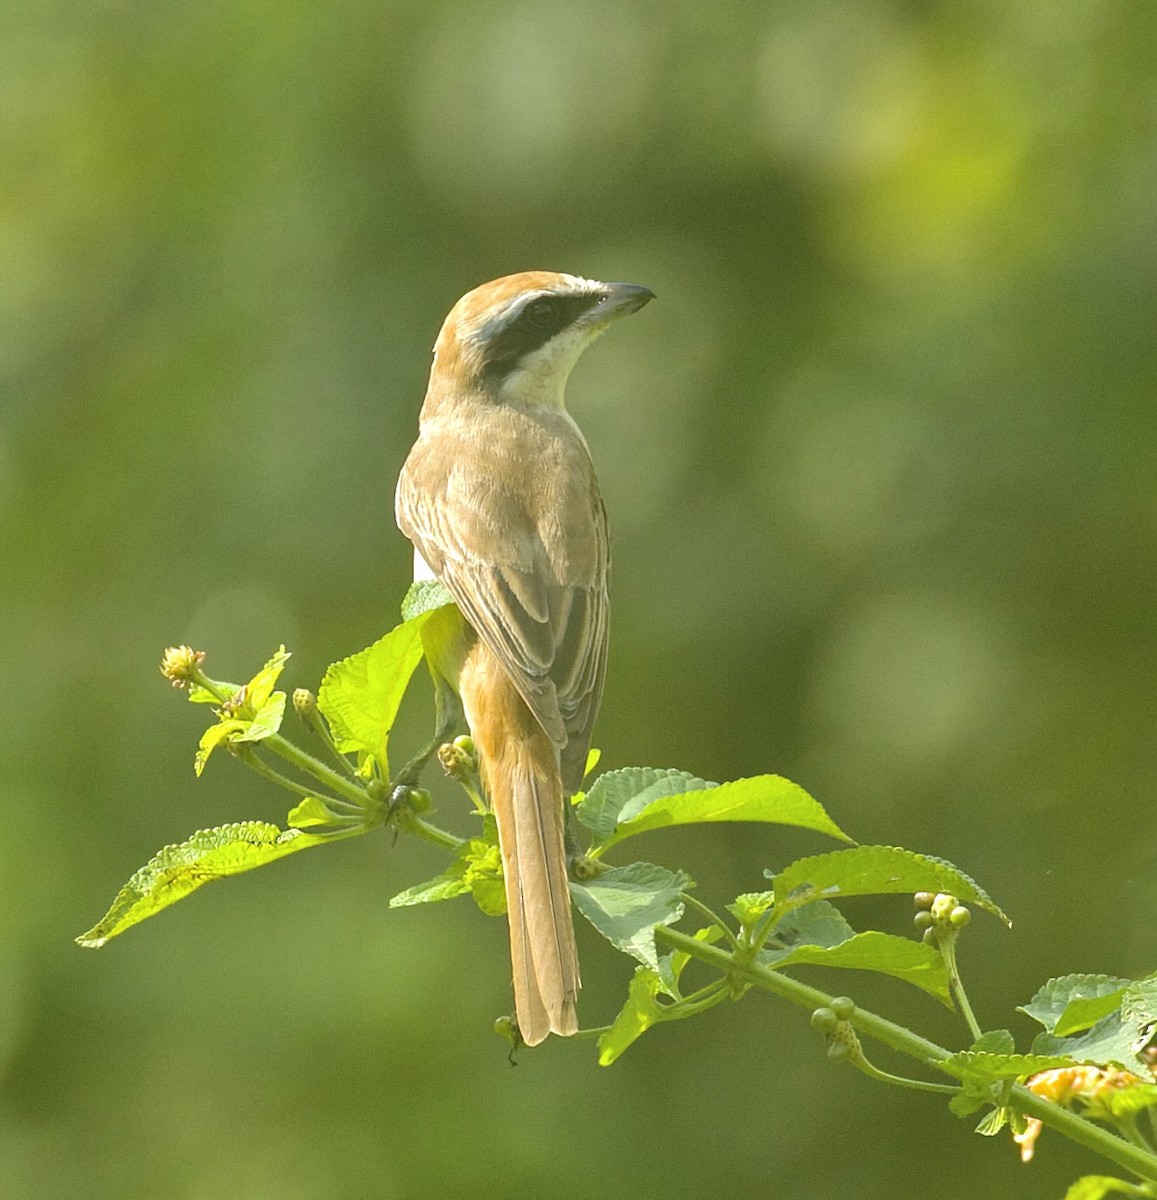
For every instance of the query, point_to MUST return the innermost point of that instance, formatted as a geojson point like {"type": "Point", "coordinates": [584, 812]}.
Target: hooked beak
{"type": "Point", "coordinates": [620, 299]}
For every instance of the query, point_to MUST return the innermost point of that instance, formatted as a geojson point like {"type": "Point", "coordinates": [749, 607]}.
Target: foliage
{"type": "Point", "coordinates": [1093, 1060]}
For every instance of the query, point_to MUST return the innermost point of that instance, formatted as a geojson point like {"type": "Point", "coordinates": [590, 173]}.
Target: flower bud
{"type": "Point", "coordinates": [843, 1007]}
{"type": "Point", "coordinates": [180, 663]}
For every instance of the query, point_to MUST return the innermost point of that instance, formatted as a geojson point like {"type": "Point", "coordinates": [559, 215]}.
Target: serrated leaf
{"type": "Point", "coordinates": [313, 811]}
{"type": "Point", "coordinates": [816, 924]}
{"type": "Point", "coordinates": [626, 903]}
{"type": "Point", "coordinates": [875, 870]}
{"type": "Point", "coordinates": [993, 1122]}
{"type": "Point", "coordinates": [766, 799]}
{"type": "Point", "coordinates": [1139, 1003]}
{"type": "Point", "coordinates": [360, 696]}
{"type": "Point", "coordinates": [996, 1041]}
{"type": "Point", "coordinates": [1070, 999]}
{"type": "Point", "coordinates": [266, 722]}
{"type": "Point", "coordinates": [424, 596]}
{"type": "Point", "coordinates": [209, 854]}
{"type": "Point", "coordinates": [476, 871]}
{"type": "Point", "coordinates": [993, 1068]}
{"type": "Point", "coordinates": [971, 1098]}
{"type": "Point", "coordinates": [1110, 1040]}
{"type": "Point", "coordinates": [213, 737]}
{"type": "Point", "coordinates": [618, 795]}
{"type": "Point", "coordinates": [902, 958]}
{"type": "Point", "coordinates": [442, 887]}
{"type": "Point", "coordinates": [638, 1014]}
{"type": "Point", "coordinates": [748, 907]}
{"type": "Point", "coordinates": [1096, 1187]}
{"type": "Point", "coordinates": [1129, 1100]}
{"type": "Point", "coordinates": [260, 687]}
{"type": "Point", "coordinates": [484, 877]}
{"type": "Point", "coordinates": [671, 966]}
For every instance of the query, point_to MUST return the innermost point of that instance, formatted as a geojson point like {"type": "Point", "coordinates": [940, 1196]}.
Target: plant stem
{"type": "Point", "coordinates": [412, 823]}
{"type": "Point", "coordinates": [249, 755]}
{"type": "Point", "coordinates": [1133, 1158]}
{"type": "Point", "coordinates": [947, 948]}
{"type": "Point", "coordinates": [715, 920]}
{"type": "Point", "coordinates": [315, 722]}
{"type": "Point", "coordinates": [315, 767]}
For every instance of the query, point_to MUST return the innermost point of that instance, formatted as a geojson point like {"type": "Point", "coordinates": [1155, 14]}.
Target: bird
{"type": "Point", "coordinates": [499, 497]}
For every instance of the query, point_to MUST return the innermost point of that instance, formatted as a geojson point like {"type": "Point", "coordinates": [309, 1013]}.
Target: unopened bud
{"type": "Point", "coordinates": [459, 759]}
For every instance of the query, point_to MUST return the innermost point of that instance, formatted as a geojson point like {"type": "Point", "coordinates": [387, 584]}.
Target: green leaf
{"type": "Point", "coordinates": [769, 799]}
{"type": "Point", "coordinates": [1139, 1004]}
{"type": "Point", "coordinates": [996, 1041]}
{"type": "Point", "coordinates": [621, 794]}
{"type": "Point", "coordinates": [213, 737]}
{"type": "Point", "coordinates": [993, 1122]}
{"type": "Point", "coordinates": [900, 957]}
{"type": "Point", "coordinates": [208, 855]}
{"type": "Point", "coordinates": [1111, 1040]}
{"type": "Point", "coordinates": [442, 887]}
{"type": "Point", "coordinates": [424, 596]}
{"type": "Point", "coordinates": [1128, 1100]}
{"type": "Point", "coordinates": [1095, 1187]}
{"type": "Point", "coordinates": [971, 1098]}
{"type": "Point", "coordinates": [267, 721]}
{"type": "Point", "coordinates": [748, 907]}
{"type": "Point", "coordinates": [626, 903]}
{"type": "Point", "coordinates": [314, 811]}
{"type": "Point", "coordinates": [816, 924]}
{"type": "Point", "coordinates": [644, 1008]}
{"type": "Point", "coordinates": [992, 1068]}
{"type": "Point", "coordinates": [874, 870]}
{"type": "Point", "coordinates": [671, 966]}
{"type": "Point", "coordinates": [477, 871]}
{"type": "Point", "coordinates": [483, 874]}
{"type": "Point", "coordinates": [360, 695]}
{"type": "Point", "coordinates": [1072, 1003]}
{"type": "Point", "coordinates": [641, 1011]}
{"type": "Point", "coordinates": [260, 687]}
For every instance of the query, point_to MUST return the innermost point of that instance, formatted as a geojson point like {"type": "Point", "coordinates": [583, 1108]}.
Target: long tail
{"type": "Point", "coordinates": [520, 770]}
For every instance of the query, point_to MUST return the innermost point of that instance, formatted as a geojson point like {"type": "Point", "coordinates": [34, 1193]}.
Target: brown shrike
{"type": "Point", "coordinates": [500, 499]}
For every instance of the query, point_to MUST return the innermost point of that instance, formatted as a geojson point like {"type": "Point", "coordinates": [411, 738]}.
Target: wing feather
{"type": "Point", "coordinates": [530, 578]}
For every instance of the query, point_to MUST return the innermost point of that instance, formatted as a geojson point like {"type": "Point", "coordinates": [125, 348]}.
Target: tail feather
{"type": "Point", "coordinates": [542, 945]}
{"type": "Point", "coordinates": [521, 773]}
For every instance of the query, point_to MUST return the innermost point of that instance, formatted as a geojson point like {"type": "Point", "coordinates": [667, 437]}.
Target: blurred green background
{"type": "Point", "coordinates": [880, 466]}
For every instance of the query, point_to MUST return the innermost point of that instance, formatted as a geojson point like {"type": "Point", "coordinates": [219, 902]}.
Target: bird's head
{"type": "Point", "coordinates": [515, 339]}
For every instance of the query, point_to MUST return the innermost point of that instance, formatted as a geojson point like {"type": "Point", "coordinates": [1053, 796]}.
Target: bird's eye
{"type": "Point", "coordinates": [542, 313]}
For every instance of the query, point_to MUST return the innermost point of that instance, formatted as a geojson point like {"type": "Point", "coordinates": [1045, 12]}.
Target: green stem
{"type": "Point", "coordinates": [353, 792]}
{"type": "Point", "coordinates": [248, 754]}
{"type": "Point", "coordinates": [412, 823]}
{"type": "Point", "coordinates": [873, 1072]}
{"type": "Point", "coordinates": [1133, 1158]}
{"type": "Point", "coordinates": [315, 722]}
{"type": "Point", "coordinates": [713, 917]}
{"type": "Point", "coordinates": [947, 946]}
{"type": "Point", "coordinates": [701, 1000]}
